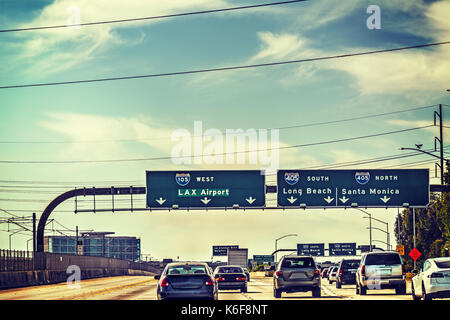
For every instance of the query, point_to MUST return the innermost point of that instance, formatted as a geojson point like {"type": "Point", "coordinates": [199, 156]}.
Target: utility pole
{"type": "Point", "coordinates": [34, 233]}
{"type": "Point", "coordinates": [76, 240]}
{"type": "Point", "coordinates": [414, 232]}
{"type": "Point", "coordinates": [441, 141]}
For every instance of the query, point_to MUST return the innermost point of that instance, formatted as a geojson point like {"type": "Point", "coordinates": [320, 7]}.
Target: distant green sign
{"type": "Point", "coordinates": [263, 258]}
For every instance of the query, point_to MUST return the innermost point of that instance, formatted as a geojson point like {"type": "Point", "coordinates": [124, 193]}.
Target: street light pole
{"type": "Point", "coordinates": [370, 226]}
{"type": "Point", "coordinates": [276, 243]}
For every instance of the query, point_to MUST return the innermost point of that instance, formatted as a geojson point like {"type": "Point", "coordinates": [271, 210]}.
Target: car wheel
{"type": "Point", "coordinates": [316, 292]}
{"type": "Point", "coordinates": [363, 290]}
{"type": "Point", "coordinates": [413, 294]}
{"type": "Point", "coordinates": [400, 289]}
{"type": "Point", "coordinates": [338, 285]}
{"type": "Point", "coordinates": [276, 293]}
{"type": "Point", "coordinates": [425, 296]}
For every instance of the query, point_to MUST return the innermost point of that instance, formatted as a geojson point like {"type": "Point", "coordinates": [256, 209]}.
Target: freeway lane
{"type": "Point", "coordinates": [88, 289]}
{"type": "Point", "coordinates": [144, 288]}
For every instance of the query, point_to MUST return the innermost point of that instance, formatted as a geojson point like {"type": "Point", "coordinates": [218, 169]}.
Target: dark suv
{"type": "Point", "coordinates": [296, 274]}
{"type": "Point", "coordinates": [347, 272]}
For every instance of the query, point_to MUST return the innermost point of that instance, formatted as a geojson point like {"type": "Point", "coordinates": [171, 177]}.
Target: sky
{"type": "Point", "coordinates": [139, 118]}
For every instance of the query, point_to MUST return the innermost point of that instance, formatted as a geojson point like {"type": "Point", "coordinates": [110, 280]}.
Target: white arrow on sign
{"type": "Point", "coordinates": [160, 200]}
{"type": "Point", "coordinates": [250, 200]}
{"type": "Point", "coordinates": [344, 199]}
{"type": "Point", "coordinates": [205, 200]}
{"type": "Point", "coordinates": [385, 199]}
{"type": "Point", "coordinates": [291, 199]}
{"type": "Point", "coordinates": [329, 199]}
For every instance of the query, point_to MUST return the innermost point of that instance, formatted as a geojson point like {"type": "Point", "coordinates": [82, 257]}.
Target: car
{"type": "Point", "coordinates": [381, 270]}
{"type": "Point", "coordinates": [247, 273]}
{"type": "Point", "coordinates": [296, 274]}
{"type": "Point", "coordinates": [324, 273]}
{"type": "Point", "coordinates": [186, 280]}
{"type": "Point", "coordinates": [433, 281]}
{"type": "Point", "coordinates": [332, 274]}
{"type": "Point", "coordinates": [231, 278]}
{"type": "Point", "coordinates": [347, 272]}
{"type": "Point", "coordinates": [268, 271]}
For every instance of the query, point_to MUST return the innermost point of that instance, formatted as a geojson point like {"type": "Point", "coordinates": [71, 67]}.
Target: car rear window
{"type": "Point", "coordinates": [350, 264]}
{"type": "Point", "coordinates": [443, 264]}
{"type": "Point", "coordinates": [387, 259]}
{"type": "Point", "coordinates": [230, 270]}
{"type": "Point", "coordinates": [298, 263]}
{"type": "Point", "coordinates": [188, 269]}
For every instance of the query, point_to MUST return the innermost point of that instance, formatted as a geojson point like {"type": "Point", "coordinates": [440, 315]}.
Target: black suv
{"type": "Point", "coordinates": [347, 272]}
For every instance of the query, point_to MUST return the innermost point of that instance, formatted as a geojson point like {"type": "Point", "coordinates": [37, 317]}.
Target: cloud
{"type": "Point", "coordinates": [397, 72]}
{"type": "Point", "coordinates": [96, 137]}
{"type": "Point", "coordinates": [55, 50]}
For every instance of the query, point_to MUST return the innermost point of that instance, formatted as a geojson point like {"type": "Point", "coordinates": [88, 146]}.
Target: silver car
{"type": "Point", "coordinates": [296, 274]}
{"type": "Point", "coordinates": [381, 270]}
{"type": "Point", "coordinates": [433, 281]}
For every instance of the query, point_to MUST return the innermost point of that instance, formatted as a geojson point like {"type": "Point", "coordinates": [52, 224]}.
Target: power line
{"type": "Point", "coordinates": [318, 167]}
{"type": "Point", "coordinates": [12, 214]}
{"type": "Point", "coordinates": [177, 73]}
{"type": "Point", "coordinates": [156, 17]}
{"type": "Point", "coordinates": [218, 154]}
{"type": "Point", "coordinates": [67, 182]}
{"type": "Point", "coordinates": [372, 160]}
{"type": "Point", "coordinates": [204, 135]}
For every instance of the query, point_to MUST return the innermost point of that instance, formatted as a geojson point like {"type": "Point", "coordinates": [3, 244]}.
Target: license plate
{"type": "Point", "coordinates": [298, 276]}
{"type": "Point", "coordinates": [384, 272]}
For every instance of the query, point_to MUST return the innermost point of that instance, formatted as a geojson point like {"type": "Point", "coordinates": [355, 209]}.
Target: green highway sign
{"type": "Point", "coordinates": [345, 188]}
{"type": "Point", "coordinates": [260, 258]}
{"type": "Point", "coordinates": [205, 189]}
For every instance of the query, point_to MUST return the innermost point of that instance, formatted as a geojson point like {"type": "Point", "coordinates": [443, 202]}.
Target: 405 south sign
{"type": "Point", "coordinates": [342, 188]}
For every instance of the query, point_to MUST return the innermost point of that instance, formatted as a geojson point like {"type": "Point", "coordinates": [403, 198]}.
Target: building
{"type": "Point", "coordinates": [97, 244]}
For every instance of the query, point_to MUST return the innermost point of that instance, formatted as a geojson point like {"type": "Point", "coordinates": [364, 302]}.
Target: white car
{"type": "Point", "coordinates": [433, 281]}
{"type": "Point", "coordinates": [332, 274]}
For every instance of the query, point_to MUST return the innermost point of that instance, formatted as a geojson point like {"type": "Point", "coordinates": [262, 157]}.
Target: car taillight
{"type": "Point", "coordinates": [363, 271]}
{"type": "Point", "coordinates": [317, 272]}
{"type": "Point", "coordinates": [340, 272]}
{"type": "Point", "coordinates": [220, 279]}
{"type": "Point", "coordinates": [437, 275]}
{"type": "Point", "coordinates": [241, 278]}
{"type": "Point", "coordinates": [279, 273]}
{"type": "Point", "coordinates": [210, 282]}
{"type": "Point", "coordinates": [164, 283]}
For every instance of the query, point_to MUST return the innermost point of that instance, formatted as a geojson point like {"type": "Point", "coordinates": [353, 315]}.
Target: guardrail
{"type": "Point", "coordinates": [16, 260]}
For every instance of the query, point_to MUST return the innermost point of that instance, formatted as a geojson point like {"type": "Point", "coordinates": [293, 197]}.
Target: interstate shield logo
{"type": "Point", "coordinates": [362, 177]}
{"type": "Point", "coordinates": [291, 177]}
{"type": "Point", "coordinates": [182, 178]}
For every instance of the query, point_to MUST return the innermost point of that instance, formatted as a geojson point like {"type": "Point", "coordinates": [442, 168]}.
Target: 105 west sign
{"type": "Point", "coordinates": [205, 189]}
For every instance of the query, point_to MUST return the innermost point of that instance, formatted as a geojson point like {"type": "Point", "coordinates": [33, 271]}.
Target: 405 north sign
{"type": "Point", "coordinates": [205, 189]}
{"type": "Point", "coordinates": [342, 188]}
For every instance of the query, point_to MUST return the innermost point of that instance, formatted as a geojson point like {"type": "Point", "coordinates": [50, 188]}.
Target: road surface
{"type": "Point", "coordinates": [144, 288]}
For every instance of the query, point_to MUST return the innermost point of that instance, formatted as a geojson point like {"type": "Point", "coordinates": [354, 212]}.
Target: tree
{"type": "Point", "coordinates": [432, 230]}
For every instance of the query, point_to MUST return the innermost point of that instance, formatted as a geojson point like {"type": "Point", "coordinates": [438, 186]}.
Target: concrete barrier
{"type": "Point", "coordinates": [17, 279]}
